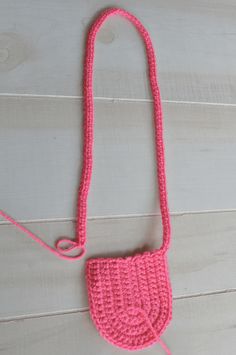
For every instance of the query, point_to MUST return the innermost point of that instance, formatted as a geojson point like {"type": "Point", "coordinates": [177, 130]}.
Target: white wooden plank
{"type": "Point", "coordinates": [201, 326]}
{"type": "Point", "coordinates": [40, 156]}
{"type": "Point", "coordinates": [42, 42]}
{"type": "Point", "coordinates": [33, 281]}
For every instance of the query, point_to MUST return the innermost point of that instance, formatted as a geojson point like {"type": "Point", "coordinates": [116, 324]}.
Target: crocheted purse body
{"type": "Point", "coordinates": [130, 298]}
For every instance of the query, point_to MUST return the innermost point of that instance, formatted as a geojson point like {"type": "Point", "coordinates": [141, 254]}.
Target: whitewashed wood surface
{"type": "Point", "coordinates": [42, 48]}
{"type": "Point", "coordinates": [43, 300]}
{"type": "Point", "coordinates": [202, 325]}
{"type": "Point", "coordinates": [203, 246]}
{"type": "Point", "coordinates": [40, 150]}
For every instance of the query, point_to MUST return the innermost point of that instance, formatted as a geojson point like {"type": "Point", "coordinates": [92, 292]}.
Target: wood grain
{"type": "Point", "coordinates": [200, 326]}
{"type": "Point", "coordinates": [40, 156]}
{"type": "Point", "coordinates": [43, 300]}
{"type": "Point", "coordinates": [41, 46]}
{"type": "Point", "coordinates": [202, 259]}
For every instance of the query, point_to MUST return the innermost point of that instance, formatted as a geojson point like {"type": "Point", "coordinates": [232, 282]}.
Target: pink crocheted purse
{"type": "Point", "coordinates": [129, 297]}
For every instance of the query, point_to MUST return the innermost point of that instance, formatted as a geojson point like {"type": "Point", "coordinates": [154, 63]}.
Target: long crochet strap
{"type": "Point", "coordinates": [65, 245]}
{"type": "Point", "coordinates": [89, 123]}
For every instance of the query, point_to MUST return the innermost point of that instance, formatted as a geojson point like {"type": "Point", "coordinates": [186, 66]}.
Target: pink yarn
{"type": "Point", "coordinates": [130, 298]}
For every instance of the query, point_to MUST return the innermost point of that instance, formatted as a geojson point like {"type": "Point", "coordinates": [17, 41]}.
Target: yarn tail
{"type": "Point", "coordinates": [163, 345]}
{"type": "Point", "coordinates": [62, 246]}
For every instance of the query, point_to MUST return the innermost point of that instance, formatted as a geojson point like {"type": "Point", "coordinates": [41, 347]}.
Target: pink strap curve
{"type": "Point", "coordinates": [65, 245]}
{"type": "Point", "coordinates": [89, 124]}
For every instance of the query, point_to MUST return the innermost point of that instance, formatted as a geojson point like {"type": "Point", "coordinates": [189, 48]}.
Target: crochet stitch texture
{"type": "Point", "coordinates": [130, 297]}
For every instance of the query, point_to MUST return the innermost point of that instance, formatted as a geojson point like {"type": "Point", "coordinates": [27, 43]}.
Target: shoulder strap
{"type": "Point", "coordinates": [65, 246]}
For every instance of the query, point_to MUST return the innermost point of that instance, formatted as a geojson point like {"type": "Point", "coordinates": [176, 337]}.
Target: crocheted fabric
{"type": "Point", "coordinates": [130, 298]}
